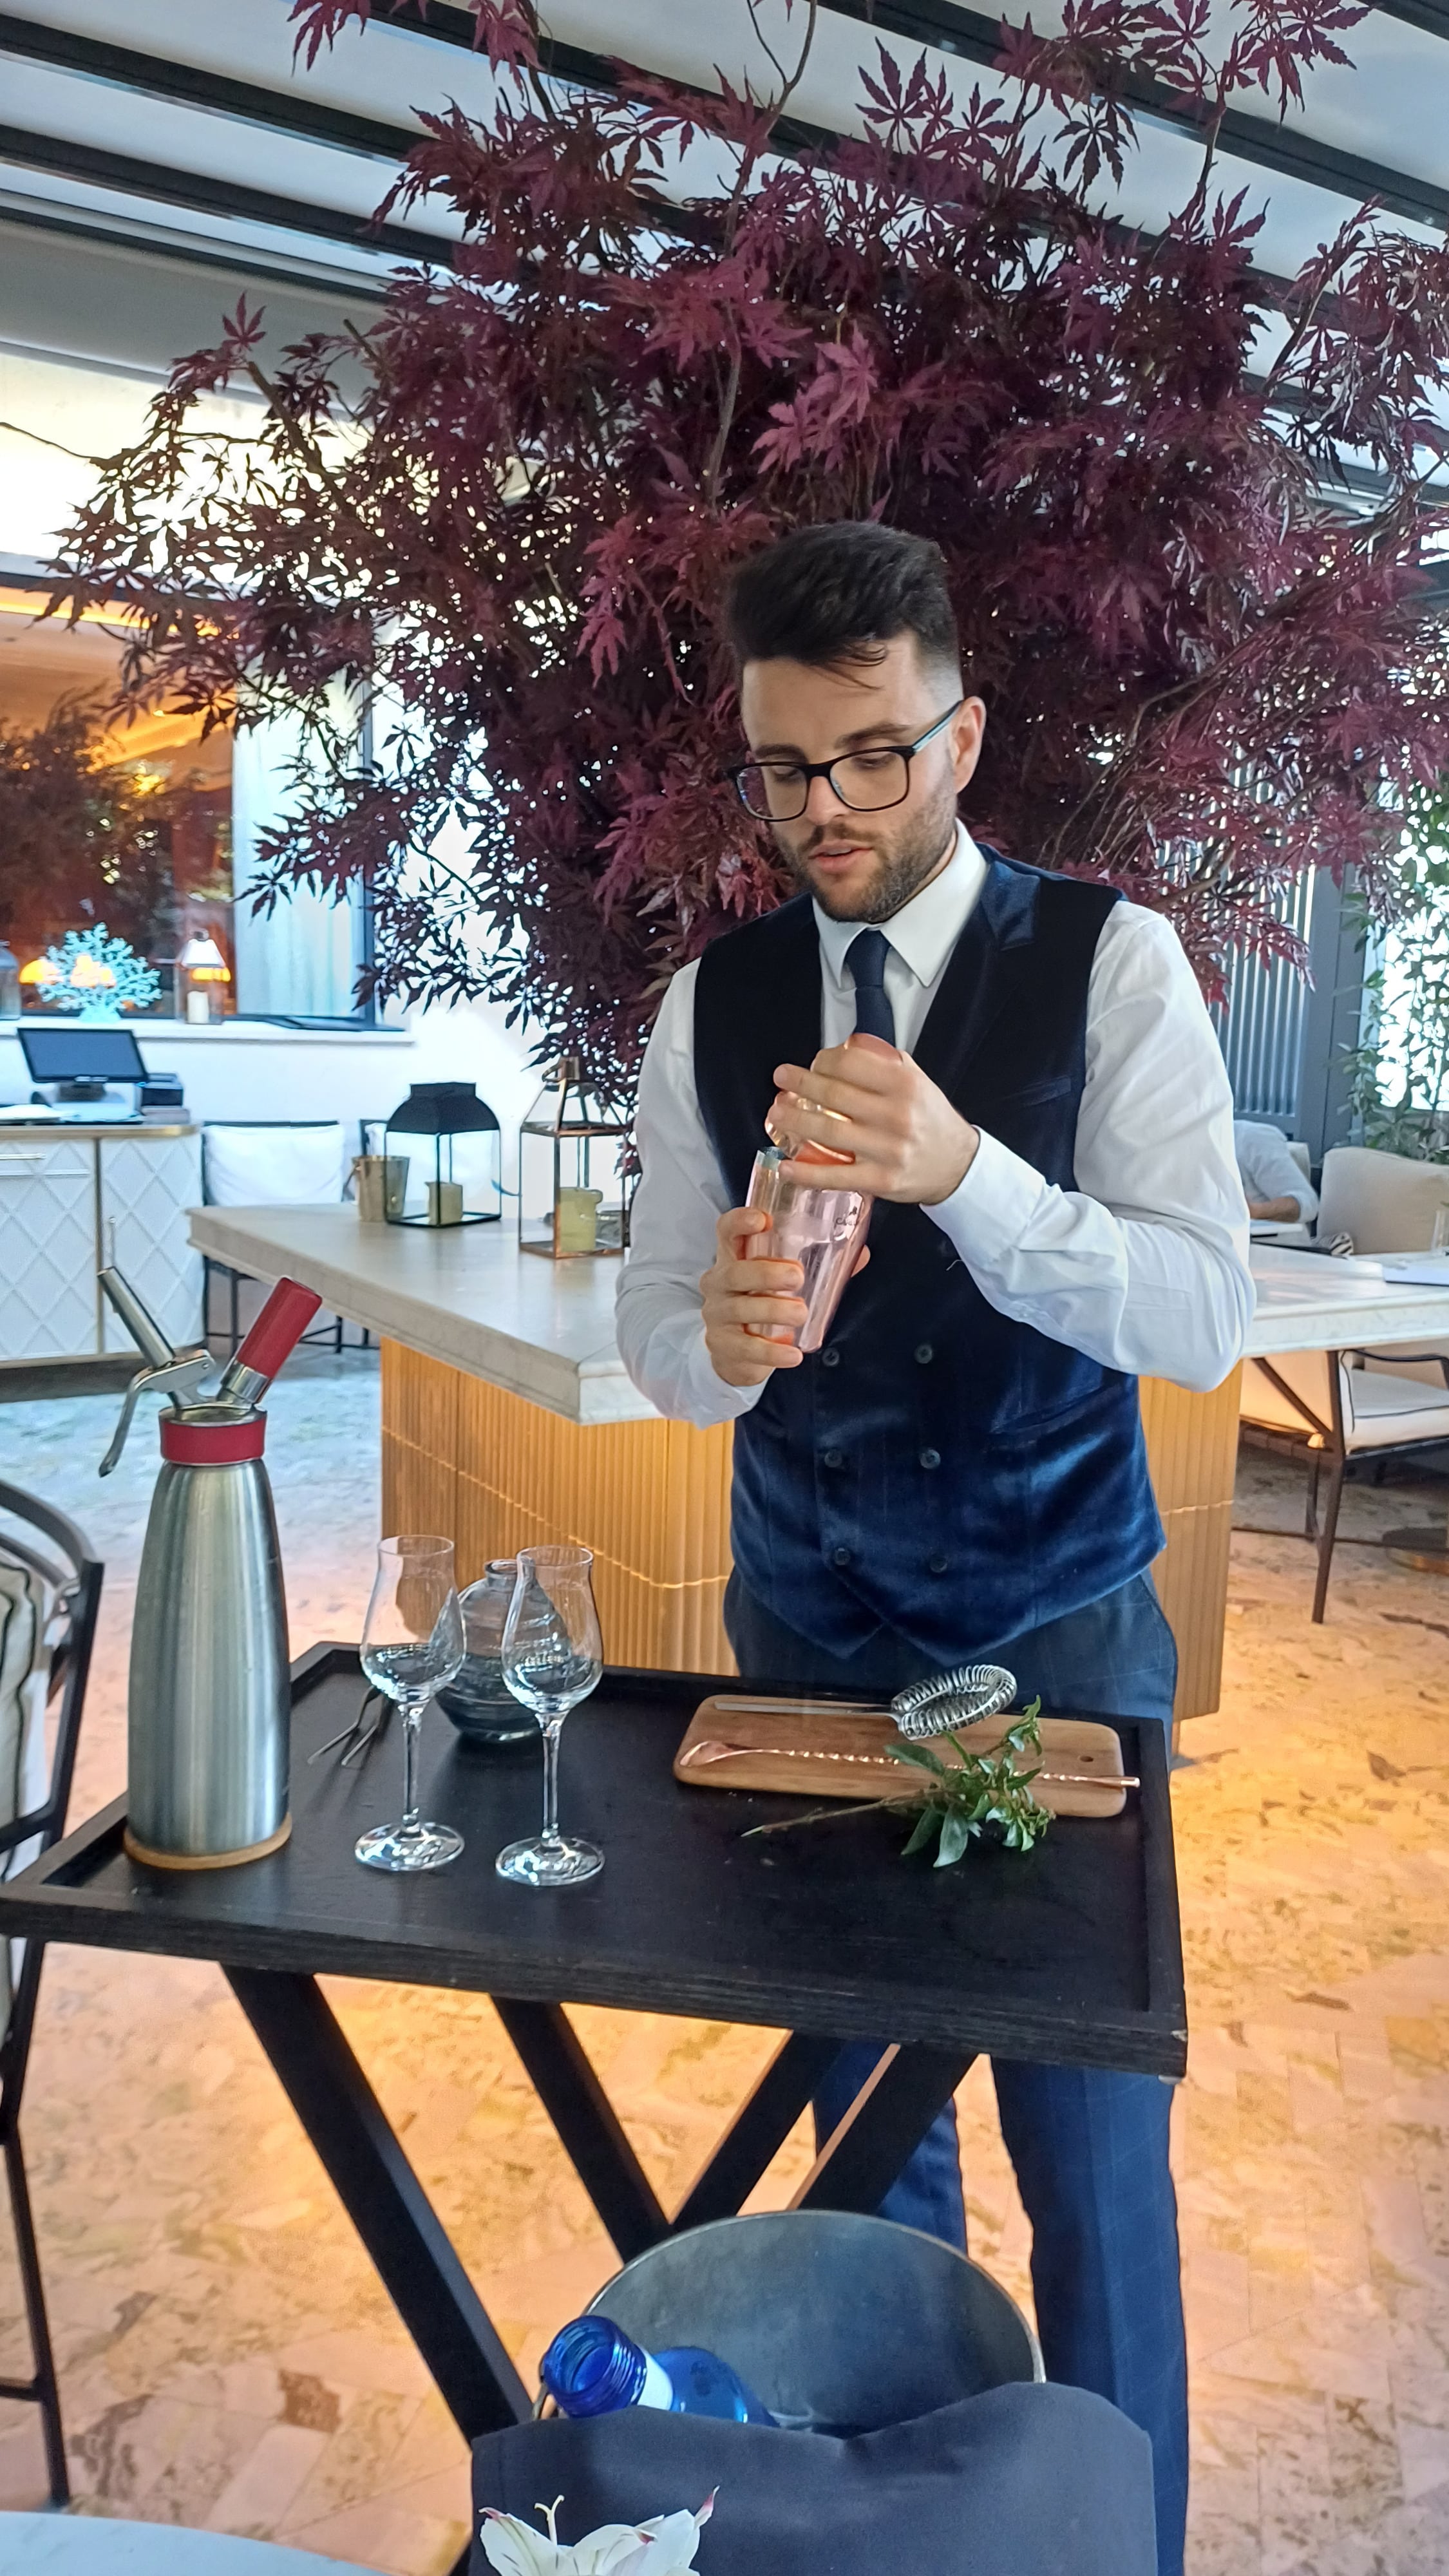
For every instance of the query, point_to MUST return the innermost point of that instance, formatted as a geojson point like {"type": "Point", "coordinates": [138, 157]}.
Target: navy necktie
{"type": "Point", "coordinates": [866, 957]}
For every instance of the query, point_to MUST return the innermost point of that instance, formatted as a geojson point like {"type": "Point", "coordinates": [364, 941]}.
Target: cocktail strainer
{"type": "Point", "coordinates": [945, 1701]}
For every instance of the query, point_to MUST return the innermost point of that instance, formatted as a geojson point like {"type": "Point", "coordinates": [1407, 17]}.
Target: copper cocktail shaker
{"type": "Point", "coordinates": [821, 1229]}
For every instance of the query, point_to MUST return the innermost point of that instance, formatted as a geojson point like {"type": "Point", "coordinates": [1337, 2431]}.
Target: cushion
{"type": "Point", "coordinates": [1387, 1202]}
{"type": "Point", "coordinates": [267, 1166]}
{"type": "Point", "coordinates": [1021, 2481]}
{"type": "Point", "coordinates": [1380, 1406]}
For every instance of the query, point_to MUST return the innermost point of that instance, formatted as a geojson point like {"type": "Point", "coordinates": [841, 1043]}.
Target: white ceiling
{"type": "Point", "coordinates": [285, 166]}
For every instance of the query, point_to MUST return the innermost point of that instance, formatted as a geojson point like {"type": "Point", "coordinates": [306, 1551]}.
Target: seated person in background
{"type": "Point", "coordinates": [1274, 1186]}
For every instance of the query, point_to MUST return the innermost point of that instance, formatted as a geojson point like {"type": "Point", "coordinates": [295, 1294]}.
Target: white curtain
{"type": "Point", "coordinates": [298, 961]}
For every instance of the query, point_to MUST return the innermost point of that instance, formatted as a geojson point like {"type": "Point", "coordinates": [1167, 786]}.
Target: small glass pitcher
{"type": "Point", "coordinates": [479, 1702]}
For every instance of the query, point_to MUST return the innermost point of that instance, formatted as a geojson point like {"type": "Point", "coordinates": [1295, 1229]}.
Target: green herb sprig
{"type": "Point", "coordinates": [960, 1800]}
{"type": "Point", "coordinates": [957, 1801]}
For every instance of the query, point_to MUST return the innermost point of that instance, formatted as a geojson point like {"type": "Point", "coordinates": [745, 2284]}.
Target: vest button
{"type": "Point", "coordinates": [930, 1457]}
{"type": "Point", "coordinates": [924, 1354]}
{"type": "Point", "coordinates": [938, 1565]}
{"type": "Point", "coordinates": [840, 1556]}
{"type": "Point", "coordinates": [835, 1457]}
{"type": "Point", "coordinates": [830, 1358]}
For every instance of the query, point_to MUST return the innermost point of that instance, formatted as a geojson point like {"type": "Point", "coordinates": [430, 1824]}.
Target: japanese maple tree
{"type": "Point", "coordinates": [1184, 504]}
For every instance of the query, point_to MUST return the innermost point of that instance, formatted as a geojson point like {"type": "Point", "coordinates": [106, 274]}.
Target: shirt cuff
{"type": "Point", "coordinates": [988, 1213]}
{"type": "Point", "coordinates": [709, 1399]}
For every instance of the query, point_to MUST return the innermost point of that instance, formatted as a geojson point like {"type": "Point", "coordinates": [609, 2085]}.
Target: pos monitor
{"type": "Point", "coordinates": [90, 1057]}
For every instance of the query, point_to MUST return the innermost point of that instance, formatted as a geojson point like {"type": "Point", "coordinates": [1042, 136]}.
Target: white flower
{"type": "Point", "coordinates": [663, 2546]}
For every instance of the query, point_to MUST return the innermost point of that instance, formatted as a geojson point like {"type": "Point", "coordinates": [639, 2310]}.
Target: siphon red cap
{"type": "Point", "coordinates": [212, 1444]}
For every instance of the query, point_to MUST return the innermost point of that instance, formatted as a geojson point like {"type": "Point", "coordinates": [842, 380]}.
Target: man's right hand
{"type": "Point", "coordinates": [741, 1291]}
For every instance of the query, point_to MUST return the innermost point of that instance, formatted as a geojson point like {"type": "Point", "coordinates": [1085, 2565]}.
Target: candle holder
{"type": "Point", "coordinates": [573, 1192]}
{"type": "Point", "coordinates": [455, 1183]}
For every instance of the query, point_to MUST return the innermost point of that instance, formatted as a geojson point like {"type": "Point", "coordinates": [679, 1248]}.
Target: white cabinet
{"type": "Point", "coordinates": [47, 1247]}
{"type": "Point", "coordinates": [58, 1195]}
{"type": "Point", "coordinates": [147, 1184]}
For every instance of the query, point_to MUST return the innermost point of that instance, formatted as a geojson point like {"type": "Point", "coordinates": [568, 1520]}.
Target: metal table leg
{"type": "Point", "coordinates": [883, 2127]}
{"type": "Point", "coordinates": [384, 2199]}
{"type": "Point", "coordinates": [757, 2132]}
{"type": "Point", "coordinates": [587, 2125]}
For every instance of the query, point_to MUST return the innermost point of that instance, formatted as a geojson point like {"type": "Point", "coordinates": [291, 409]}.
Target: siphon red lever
{"type": "Point", "coordinates": [272, 1339]}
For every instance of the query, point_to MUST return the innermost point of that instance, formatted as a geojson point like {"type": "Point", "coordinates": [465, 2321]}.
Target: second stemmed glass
{"type": "Point", "coordinates": [553, 1656]}
{"type": "Point", "coordinates": [412, 1643]}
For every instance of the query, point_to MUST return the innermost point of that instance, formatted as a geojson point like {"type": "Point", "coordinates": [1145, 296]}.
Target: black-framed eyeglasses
{"type": "Point", "coordinates": [778, 791]}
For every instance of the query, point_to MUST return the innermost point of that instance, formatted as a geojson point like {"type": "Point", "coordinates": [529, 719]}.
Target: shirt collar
{"type": "Point", "coordinates": [925, 930]}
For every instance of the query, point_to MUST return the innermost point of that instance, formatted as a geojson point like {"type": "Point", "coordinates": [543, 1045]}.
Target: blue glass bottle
{"type": "Point", "coordinates": [593, 2368]}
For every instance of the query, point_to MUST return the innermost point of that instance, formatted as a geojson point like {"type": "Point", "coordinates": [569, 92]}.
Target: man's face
{"type": "Point", "coordinates": [864, 866]}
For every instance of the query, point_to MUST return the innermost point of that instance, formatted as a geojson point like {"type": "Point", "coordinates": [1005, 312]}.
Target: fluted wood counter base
{"type": "Point", "coordinates": [494, 1472]}
{"type": "Point", "coordinates": [1192, 1446]}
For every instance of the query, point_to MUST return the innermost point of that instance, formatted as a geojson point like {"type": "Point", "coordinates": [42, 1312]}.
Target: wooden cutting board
{"type": "Point", "coordinates": [806, 1748]}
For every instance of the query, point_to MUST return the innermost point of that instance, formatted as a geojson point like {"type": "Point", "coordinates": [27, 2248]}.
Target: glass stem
{"type": "Point", "coordinates": [412, 1717]}
{"type": "Point", "coordinates": [552, 1730]}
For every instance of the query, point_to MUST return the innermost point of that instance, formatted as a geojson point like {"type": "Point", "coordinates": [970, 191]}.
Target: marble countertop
{"type": "Point", "coordinates": [465, 1295]}
{"type": "Point", "coordinates": [545, 1330]}
{"type": "Point", "coordinates": [1309, 1303]}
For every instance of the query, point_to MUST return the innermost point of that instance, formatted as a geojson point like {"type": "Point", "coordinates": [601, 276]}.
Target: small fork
{"type": "Point", "coordinates": [365, 1736]}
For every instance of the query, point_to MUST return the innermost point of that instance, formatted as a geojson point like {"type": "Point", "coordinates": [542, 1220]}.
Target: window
{"type": "Point", "coordinates": [149, 831]}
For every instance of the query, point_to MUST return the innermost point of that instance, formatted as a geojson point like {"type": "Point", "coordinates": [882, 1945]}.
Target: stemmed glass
{"type": "Point", "coordinates": [412, 1643]}
{"type": "Point", "coordinates": [552, 1658]}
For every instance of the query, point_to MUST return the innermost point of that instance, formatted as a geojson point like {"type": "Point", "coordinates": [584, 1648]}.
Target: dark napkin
{"type": "Point", "coordinates": [1021, 2481]}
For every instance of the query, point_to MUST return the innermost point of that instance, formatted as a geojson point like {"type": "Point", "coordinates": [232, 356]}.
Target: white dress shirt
{"type": "Point", "coordinates": [1144, 1266]}
{"type": "Point", "coordinates": [1267, 1169]}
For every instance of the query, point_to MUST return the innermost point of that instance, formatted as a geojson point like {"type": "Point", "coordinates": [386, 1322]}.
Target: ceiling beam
{"type": "Point", "coordinates": [62, 158]}
{"type": "Point", "coordinates": [242, 265]}
{"type": "Point", "coordinates": [1431, 17]}
{"type": "Point", "coordinates": [967, 34]}
{"type": "Point", "coordinates": [186, 85]}
{"type": "Point", "coordinates": [1261, 140]}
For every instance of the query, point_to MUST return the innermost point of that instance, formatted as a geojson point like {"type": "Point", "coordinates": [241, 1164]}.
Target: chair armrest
{"type": "Point", "coordinates": [1434, 1359]}
{"type": "Point", "coordinates": [23, 1829]}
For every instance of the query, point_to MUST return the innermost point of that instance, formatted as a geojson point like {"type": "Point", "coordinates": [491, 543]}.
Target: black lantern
{"type": "Point", "coordinates": [456, 1176]}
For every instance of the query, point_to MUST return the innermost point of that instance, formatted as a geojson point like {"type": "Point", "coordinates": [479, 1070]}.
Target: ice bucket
{"type": "Point", "coordinates": [839, 2323]}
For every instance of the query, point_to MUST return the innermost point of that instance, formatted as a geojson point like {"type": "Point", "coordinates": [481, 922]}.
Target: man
{"type": "Point", "coordinates": [959, 1473]}
{"type": "Point", "coordinates": [1276, 1189]}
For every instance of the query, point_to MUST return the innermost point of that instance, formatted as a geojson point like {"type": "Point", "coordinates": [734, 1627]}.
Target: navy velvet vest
{"type": "Point", "coordinates": [937, 1468]}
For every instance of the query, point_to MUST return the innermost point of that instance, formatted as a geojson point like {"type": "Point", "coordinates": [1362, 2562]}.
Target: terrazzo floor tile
{"type": "Point", "coordinates": [229, 2360]}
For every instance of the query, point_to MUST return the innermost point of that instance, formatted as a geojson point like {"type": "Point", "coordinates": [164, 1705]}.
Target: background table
{"type": "Point", "coordinates": [1070, 1954]}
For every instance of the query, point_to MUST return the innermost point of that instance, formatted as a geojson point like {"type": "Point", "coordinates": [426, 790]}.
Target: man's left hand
{"type": "Point", "coordinates": [906, 1140]}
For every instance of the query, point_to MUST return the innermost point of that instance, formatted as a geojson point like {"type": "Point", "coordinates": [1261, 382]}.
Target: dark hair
{"type": "Point", "coordinates": [841, 593]}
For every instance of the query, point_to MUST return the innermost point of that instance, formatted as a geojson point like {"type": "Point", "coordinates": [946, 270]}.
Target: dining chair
{"type": "Point", "coordinates": [1387, 1202]}
{"type": "Point", "coordinates": [50, 1590]}
{"type": "Point", "coordinates": [1327, 1407]}
{"type": "Point", "coordinates": [269, 1162]}
{"type": "Point", "coordinates": [36, 2544]}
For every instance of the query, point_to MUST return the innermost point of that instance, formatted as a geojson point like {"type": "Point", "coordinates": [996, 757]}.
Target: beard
{"type": "Point", "coordinates": [906, 858]}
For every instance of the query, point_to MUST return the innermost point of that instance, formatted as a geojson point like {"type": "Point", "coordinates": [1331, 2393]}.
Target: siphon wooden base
{"type": "Point", "coordinates": [206, 1860]}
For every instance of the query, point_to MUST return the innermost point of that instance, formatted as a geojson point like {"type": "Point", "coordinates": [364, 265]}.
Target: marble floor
{"type": "Point", "coordinates": [229, 2361]}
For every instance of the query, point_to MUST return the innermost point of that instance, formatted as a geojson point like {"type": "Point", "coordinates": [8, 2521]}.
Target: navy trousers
{"type": "Point", "coordinates": [1090, 2149]}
